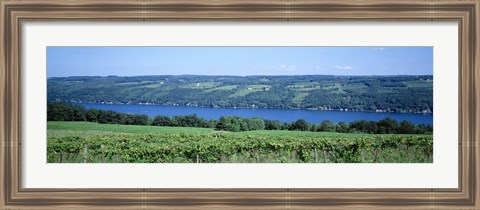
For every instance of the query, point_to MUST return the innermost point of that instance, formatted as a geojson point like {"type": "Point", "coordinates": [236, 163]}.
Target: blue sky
{"type": "Point", "coordinates": [133, 61]}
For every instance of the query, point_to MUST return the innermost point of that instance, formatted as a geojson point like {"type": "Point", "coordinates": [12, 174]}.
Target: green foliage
{"type": "Point", "coordinates": [87, 128]}
{"type": "Point", "coordinates": [229, 123]}
{"type": "Point", "coordinates": [162, 121]}
{"type": "Point", "coordinates": [189, 121]}
{"type": "Point", "coordinates": [273, 125]}
{"type": "Point", "coordinates": [325, 126]}
{"type": "Point", "coordinates": [365, 126]}
{"type": "Point", "coordinates": [236, 124]}
{"type": "Point", "coordinates": [407, 127]}
{"type": "Point", "coordinates": [352, 93]}
{"type": "Point", "coordinates": [138, 119]}
{"type": "Point", "coordinates": [172, 145]}
{"type": "Point", "coordinates": [66, 112]}
{"type": "Point", "coordinates": [300, 125]}
{"type": "Point", "coordinates": [342, 127]}
{"type": "Point", "coordinates": [256, 124]}
{"type": "Point", "coordinates": [387, 125]}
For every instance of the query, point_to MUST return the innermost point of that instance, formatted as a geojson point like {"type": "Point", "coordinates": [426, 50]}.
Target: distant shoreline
{"type": "Point", "coordinates": [272, 108]}
{"type": "Point", "coordinates": [377, 94]}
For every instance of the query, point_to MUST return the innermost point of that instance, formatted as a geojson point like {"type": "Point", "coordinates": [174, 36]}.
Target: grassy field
{"type": "Point", "coordinates": [249, 89]}
{"type": "Point", "coordinates": [59, 129]}
{"type": "Point", "coordinates": [92, 142]}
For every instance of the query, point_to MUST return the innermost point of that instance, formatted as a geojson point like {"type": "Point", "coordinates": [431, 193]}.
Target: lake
{"type": "Point", "coordinates": [283, 115]}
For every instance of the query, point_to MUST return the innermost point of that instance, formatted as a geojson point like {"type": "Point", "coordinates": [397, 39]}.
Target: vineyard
{"type": "Point", "coordinates": [83, 142]}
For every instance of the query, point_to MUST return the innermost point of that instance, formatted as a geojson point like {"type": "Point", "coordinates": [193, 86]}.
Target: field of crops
{"type": "Point", "coordinates": [80, 142]}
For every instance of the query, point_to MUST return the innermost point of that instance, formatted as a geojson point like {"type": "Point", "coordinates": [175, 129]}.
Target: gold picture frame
{"type": "Point", "coordinates": [15, 12]}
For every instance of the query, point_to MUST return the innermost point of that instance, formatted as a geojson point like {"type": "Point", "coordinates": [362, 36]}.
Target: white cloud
{"type": "Point", "coordinates": [379, 48]}
{"type": "Point", "coordinates": [343, 67]}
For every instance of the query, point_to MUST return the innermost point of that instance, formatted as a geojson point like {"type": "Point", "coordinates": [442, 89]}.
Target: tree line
{"type": "Point", "coordinates": [61, 111]}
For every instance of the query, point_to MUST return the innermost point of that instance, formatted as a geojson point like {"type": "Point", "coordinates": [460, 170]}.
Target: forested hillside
{"type": "Point", "coordinates": [348, 93]}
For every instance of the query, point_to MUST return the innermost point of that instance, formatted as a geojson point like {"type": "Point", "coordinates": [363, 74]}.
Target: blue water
{"type": "Point", "coordinates": [284, 115]}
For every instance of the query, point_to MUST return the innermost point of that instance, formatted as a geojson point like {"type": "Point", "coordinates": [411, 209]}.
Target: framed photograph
{"type": "Point", "coordinates": [225, 112]}
{"type": "Point", "coordinates": [234, 104]}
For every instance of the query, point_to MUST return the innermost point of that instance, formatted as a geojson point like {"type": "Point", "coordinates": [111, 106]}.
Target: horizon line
{"type": "Point", "coordinates": [219, 75]}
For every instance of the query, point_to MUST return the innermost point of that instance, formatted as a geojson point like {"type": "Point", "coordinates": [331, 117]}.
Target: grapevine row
{"type": "Point", "coordinates": [226, 147]}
